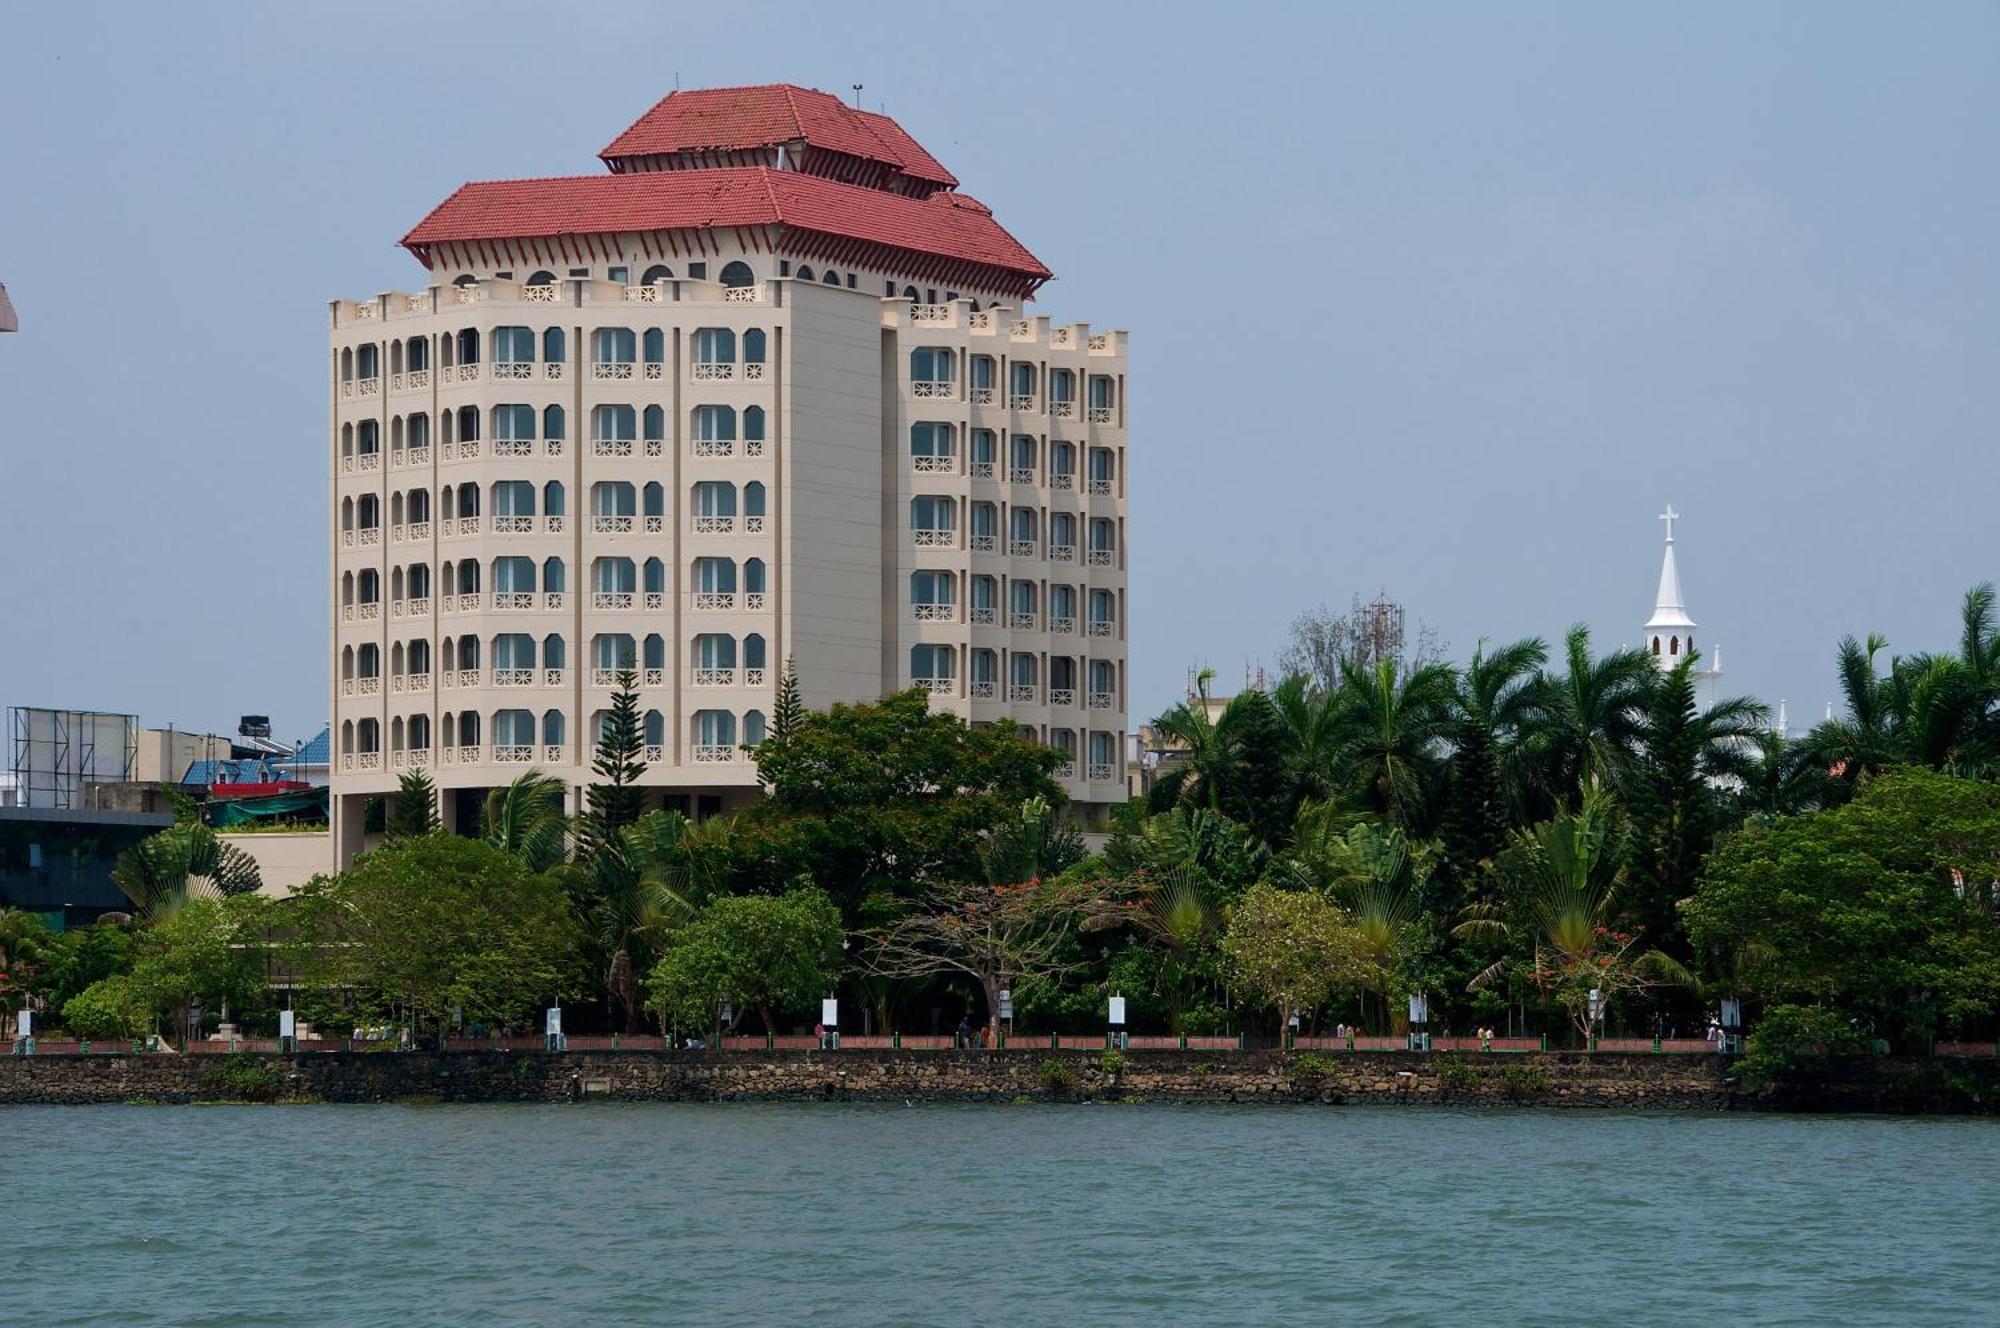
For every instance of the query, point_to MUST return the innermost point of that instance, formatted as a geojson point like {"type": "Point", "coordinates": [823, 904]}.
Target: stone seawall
{"type": "Point", "coordinates": [1553, 1079]}
{"type": "Point", "coordinates": [1540, 1080]}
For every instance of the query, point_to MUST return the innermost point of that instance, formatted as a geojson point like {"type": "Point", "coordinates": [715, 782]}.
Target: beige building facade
{"type": "Point", "coordinates": [612, 432]}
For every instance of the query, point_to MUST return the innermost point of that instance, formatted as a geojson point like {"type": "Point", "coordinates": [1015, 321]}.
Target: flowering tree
{"type": "Point", "coordinates": [1294, 950]}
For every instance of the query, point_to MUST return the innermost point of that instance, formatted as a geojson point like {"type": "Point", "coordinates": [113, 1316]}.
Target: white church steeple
{"type": "Point", "coordinates": [1670, 631]}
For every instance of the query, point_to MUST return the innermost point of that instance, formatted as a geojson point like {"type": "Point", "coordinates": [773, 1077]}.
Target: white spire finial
{"type": "Point", "coordinates": [1670, 516]}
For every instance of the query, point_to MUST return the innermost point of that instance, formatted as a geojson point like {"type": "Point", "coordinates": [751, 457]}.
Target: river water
{"type": "Point", "coordinates": [1028, 1215]}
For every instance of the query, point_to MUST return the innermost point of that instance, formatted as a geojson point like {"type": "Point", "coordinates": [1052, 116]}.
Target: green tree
{"type": "Point", "coordinates": [422, 927]}
{"type": "Point", "coordinates": [1487, 787]}
{"type": "Point", "coordinates": [1589, 719]}
{"type": "Point", "coordinates": [772, 953]}
{"type": "Point", "coordinates": [1233, 758]}
{"type": "Point", "coordinates": [211, 950]}
{"type": "Point", "coordinates": [1670, 792]}
{"type": "Point", "coordinates": [83, 955]}
{"type": "Point", "coordinates": [413, 807]}
{"type": "Point", "coordinates": [788, 713]}
{"type": "Point", "coordinates": [110, 1009]}
{"type": "Point", "coordinates": [1882, 909]}
{"type": "Point", "coordinates": [613, 801]}
{"type": "Point", "coordinates": [883, 799]}
{"type": "Point", "coordinates": [1395, 724]}
{"type": "Point", "coordinates": [1293, 951]}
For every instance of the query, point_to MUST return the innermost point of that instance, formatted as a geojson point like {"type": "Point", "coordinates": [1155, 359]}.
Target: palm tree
{"type": "Point", "coordinates": [1235, 762]}
{"type": "Point", "coordinates": [1310, 718]}
{"type": "Point", "coordinates": [525, 818]}
{"type": "Point", "coordinates": [1394, 726]}
{"type": "Point", "coordinates": [1774, 776]}
{"type": "Point", "coordinates": [1589, 718]}
{"type": "Point", "coordinates": [1374, 871]}
{"type": "Point", "coordinates": [655, 874]}
{"type": "Point", "coordinates": [187, 860]}
{"type": "Point", "coordinates": [1856, 747]}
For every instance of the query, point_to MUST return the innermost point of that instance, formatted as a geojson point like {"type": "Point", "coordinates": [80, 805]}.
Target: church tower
{"type": "Point", "coordinates": [1670, 631]}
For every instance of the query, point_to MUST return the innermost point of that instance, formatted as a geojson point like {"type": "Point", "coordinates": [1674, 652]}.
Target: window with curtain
{"type": "Point", "coordinates": [928, 587]}
{"type": "Point", "coordinates": [514, 576]}
{"type": "Point", "coordinates": [930, 439]}
{"type": "Point", "coordinates": [616, 422]}
{"type": "Point", "coordinates": [714, 423]}
{"type": "Point", "coordinates": [614, 345]}
{"type": "Point", "coordinates": [930, 663]}
{"type": "Point", "coordinates": [932, 364]}
{"type": "Point", "coordinates": [513, 345]}
{"type": "Point", "coordinates": [513, 498]}
{"type": "Point", "coordinates": [715, 576]}
{"type": "Point", "coordinates": [714, 345]}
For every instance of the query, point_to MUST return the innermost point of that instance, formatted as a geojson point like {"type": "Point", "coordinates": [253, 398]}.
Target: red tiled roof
{"type": "Point", "coordinates": [703, 119]}
{"type": "Point", "coordinates": [948, 225]}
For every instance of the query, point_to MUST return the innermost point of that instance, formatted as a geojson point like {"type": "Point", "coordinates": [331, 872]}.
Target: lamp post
{"type": "Point", "coordinates": [1732, 1025]}
{"type": "Point", "coordinates": [1117, 1020]}
{"type": "Point", "coordinates": [725, 1014]}
{"type": "Point", "coordinates": [1420, 1018]}
{"type": "Point", "coordinates": [1596, 1015]}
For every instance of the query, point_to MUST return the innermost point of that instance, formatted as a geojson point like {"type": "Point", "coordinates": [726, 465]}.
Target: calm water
{"type": "Point", "coordinates": [881, 1215]}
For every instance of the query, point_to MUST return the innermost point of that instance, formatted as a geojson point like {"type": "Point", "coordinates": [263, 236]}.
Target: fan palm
{"type": "Point", "coordinates": [185, 861]}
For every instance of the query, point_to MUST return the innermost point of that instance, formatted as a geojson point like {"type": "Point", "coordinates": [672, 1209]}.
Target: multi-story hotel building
{"type": "Point", "coordinates": [762, 392]}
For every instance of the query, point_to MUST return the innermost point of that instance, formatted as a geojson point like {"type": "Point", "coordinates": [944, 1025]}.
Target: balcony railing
{"type": "Point", "coordinates": [611, 599]}
{"type": "Point", "coordinates": [714, 447]}
{"type": "Point", "coordinates": [611, 447]}
{"type": "Point", "coordinates": [714, 525]}
{"type": "Point", "coordinates": [604, 677]}
{"type": "Point", "coordinates": [605, 370]}
{"type": "Point", "coordinates": [985, 543]}
{"type": "Point", "coordinates": [753, 601]}
{"type": "Point", "coordinates": [612, 525]}
{"type": "Point", "coordinates": [937, 686]}
{"type": "Point", "coordinates": [553, 372]}
{"type": "Point", "coordinates": [983, 691]}
{"type": "Point", "coordinates": [1103, 557]}
{"type": "Point", "coordinates": [546, 293]}
{"type": "Point", "coordinates": [753, 373]}
{"type": "Point", "coordinates": [1100, 488]}
{"type": "Point", "coordinates": [506, 369]}
{"type": "Point", "coordinates": [934, 539]}
{"type": "Point", "coordinates": [367, 612]}
{"type": "Point", "coordinates": [713, 371]}
{"type": "Point", "coordinates": [1067, 770]}
{"type": "Point", "coordinates": [417, 530]}
{"type": "Point", "coordinates": [415, 682]}
{"type": "Point", "coordinates": [1021, 692]}
{"type": "Point", "coordinates": [934, 612]}
{"type": "Point", "coordinates": [753, 677]}
{"type": "Point", "coordinates": [1062, 479]}
{"type": "Point", "coordinates": [552, 677]}
{"type": "Point", "coordinates": [513, 447]}
{"type": "Point", "coordinates": [715, 677]}
{"type": "Point", "coordinates": [643, 294]}
{"type": "Point", "coordinates": [514, 753]}
{"type": "Point", "coordinates": [513, 525]}
{"type": "Point", "coordinates": [934, 465]}
{"type": "Point", "coordinates": [982, 470]}
{"type": "Point", "coordinates": [714, 601]}
{"type": "Point", "coordinates": [417, 378]}
{"type": "Point", "coordinates": [1100, 627]}
{"type": "Point", "coordinates": [1100, 773]}
{"type": "Point", "coordinates": [553, 754]}
{"type": "Point", "coordinates": [1102, 701]}
{"type": "Point", "coordinates": [656, 753]}
{"type": "Point", "coordinates": [653, 678]}
{"type": "Point", "coordinates": [552, 600]}
{"type": "Point", "coordinates": [985, 617]}
{"type": "Point", "coordinates": [1021, 475]}
{"type": "Point", "coordinates": [932, 389]}
{"type": "Point", "coordinates": [419, 607]}
{"type": "Point", "coordinates": [368, 686]}
{"type": "Point", "coordinates": [742, 295]}
{"type": "Point", "coordinates": [713, 753]}
{"type": "Point", "coordinates": [1062, 553]}
{"type": "Point", "coordinates": [930, 313]}
{"type": "Point", "coordinates": [1021, 548]}
{"type": "Point", "coordinates": [1021, 622]}
{"type": "Point", "coordinates": [513, 677]}
{"type": "Point", "coordinates": [461, 373]}
{"type": "Point", "coordinates": [467, 678]}
{"type": "Point", "coordinates": [655, 600]}
{"type": "Point", "coordinates": [1021, 401]}
{"type": "Point", "coordinates": [1100, 414]}
{"type": "Point", "coordinates": [513, 601]}
{"type": "Point", "coordinates": [417, 456]}
{"type": "Point", "coordinates": [1062, 696]}
{"type": "Point", "coordinates": [753, 525]}
{"type": "Point", "coordinates": [1062, 626]}
{"type": "Point", "coordinates": [1062, 410]}
{"type": "Point", "coordinates": [983, 396]}
{"type": "Point", "coordinates": [553, 524]}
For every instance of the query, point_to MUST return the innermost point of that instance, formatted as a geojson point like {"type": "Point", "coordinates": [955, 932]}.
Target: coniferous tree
{"type": "Point", "coordinates": [613, 801]}
{"type": "Point", "coordinates": [790, 711]}
{"type": "Point", "coordinates": [413, 807]}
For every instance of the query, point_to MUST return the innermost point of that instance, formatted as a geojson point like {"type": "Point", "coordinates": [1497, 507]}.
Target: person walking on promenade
{"type": "Point", "coordinates": [962, 1038]}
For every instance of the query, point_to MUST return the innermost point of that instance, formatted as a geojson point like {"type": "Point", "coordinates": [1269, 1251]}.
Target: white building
{"type": "Point", "coordinates": [1670, 631]}
{"type": "Point", "coordinates": [761, 392]}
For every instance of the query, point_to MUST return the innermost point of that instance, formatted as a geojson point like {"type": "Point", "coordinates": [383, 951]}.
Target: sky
{"type": "Point", "coordinates": [1443, 300]}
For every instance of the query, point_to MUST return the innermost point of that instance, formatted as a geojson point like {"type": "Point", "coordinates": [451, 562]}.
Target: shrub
{"type": "Point", "coordinates": [110, 1009]}
{"type": "Point", "coordinates": [1113, 1064]}
{"type": "Point", "coordinates": [1056, 1076]}
{"type": "Point", "coordinates": [246, 1078]}
{"type": "Point", "coordinates": [1524, 1080]}
{"type": "Point", "coordinates": [1456, 1075]}
{"type": "Point", "coordinates": [1308, 1071]}
{"type": "Point", "coordinates": [1790, 1038]}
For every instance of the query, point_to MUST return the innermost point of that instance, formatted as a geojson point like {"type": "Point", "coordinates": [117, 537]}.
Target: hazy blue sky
{"type": "Point", "coordinates": [1448, 301]}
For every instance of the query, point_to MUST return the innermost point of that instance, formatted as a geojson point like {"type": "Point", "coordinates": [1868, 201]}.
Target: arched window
{"type": "Point", "coordinates": [753, 426]}
{"type": "Point", "coordinates": [468, 424]}
{"type": "Point", "coordinates": [552, 346]}
{"type": "Point", "coordinates": [714, 576]}
{"type": "Point", "coordinates": [514, 576]}
{"type": "Point", "coordinates": [553, 580]}
{"type": "Point", "coordinates": [1656, 645]}
{"type": "Point", "coordinates": [655, 499]}
{"type": "Point", "coordinates": [753, 506]}
{"type": "Point", "coordinates": [737, 274]}
{"type": "Point", "coordinates": [468, 728]}
{"type": "Point", "coordinates": [714, 424]}
{"type": "Point", "coordinates": [419, 353]}
{"type": "Point", "coordinates": [1673, 646]}
{"type": "Point", "coordinates": [420, 657]}
{"type": "Point", "coordinates": [347, 440]}
{"type": "Point", "coordinates": [910, 294]}
{"type": "Point", "coordinates": [714, 735]}
{"type": "Point", "coordinates": [347, 366]}
{"type": "Point", "coordinates": [420, 431]}
{"type": "Point", "coordinates": [753, 345]}
{"type": "Point", "coordinates": [754, 656]}
{"type": "Point", "coordinates": [655, 346]}
{"type": "Point", "coordinates": [552, 728]}
{"type": "Point", "coordinates": [753, 577]}
{"type": "Point", "coordinates": [468, 345]}
{"type": "Point", "coordinates": [514, 652]}
{"type": "Point", "coordinates": [656, 651]}
{"type": "Point", "coordinates": [805, 273]}
{"type": "Point", "coordinates": [468, 577]}
{"type": "Point", "coordinates": [555, 651]}
{"type": "Point", "coordinates": [368, 736]}
{"type": "Point", "coordinates": [367, 361]}
{"type": "Point", "coordinates": [613, 424]}
{"type": "Point", "coordinates": [714, 655]}
{"type": "Point", "coordinates": [656, 731]}
{"type": "Point", "coordinates": [543, 278]}
{"type": "Point", "coordinates": [613, 651]}
{"type": "Point", "coordinates": [468, 653]}
{"type": "Point", "coordinates": [654, 578]}
{"type": "Point", "coordinates": [713, 346]}
{"type": "Point", "coordinates": [514, 345]}
{"type": "Point", "coordinates": [555, 423]}
{"type": "Point", "coordinates": [464, 279]}
{"type": "Point", "coordinates": [655, 426]}
{"type": "Point", "coordinates": [614, 345]}
{"type": "Point", "coordinates": [420, 581]}
{"type": "Point", "coordinates": [369, 586]}
{"type": "Point", "coordinates": [657, 272]}
{"type": "Point", "coordinates": [420, 733]}
{"type": "Point", "coordinates": [831, 278]}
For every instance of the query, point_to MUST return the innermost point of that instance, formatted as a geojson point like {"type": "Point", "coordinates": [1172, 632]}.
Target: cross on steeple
{"type": "Point", "coordinates": [1670, 516]}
